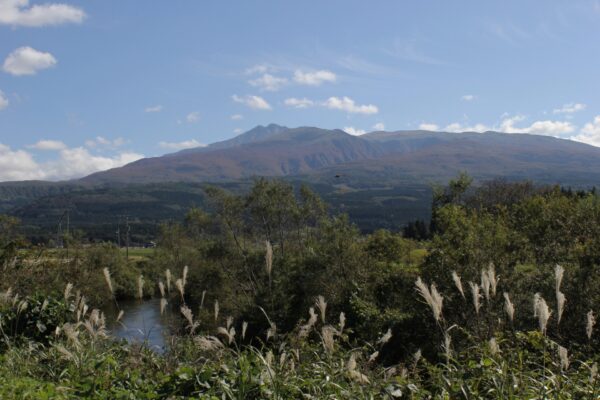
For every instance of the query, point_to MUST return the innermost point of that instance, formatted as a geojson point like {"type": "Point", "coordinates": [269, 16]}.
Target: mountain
{"type": "Point", "coordinates": [270, 151]}
{"type": "Point", "coordinates": [402, 155]}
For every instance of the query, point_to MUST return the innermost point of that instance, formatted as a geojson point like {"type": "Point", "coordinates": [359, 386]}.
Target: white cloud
{"type": "Point", "coordinates": [353, 131]}
{"type": "Point", "coordinates": [255, 102]}
{"type": "Point", "coordinates": [17, 165]}
{"type": "Point", "coordinates": [193, 117]}
{"type": "Point", "coordinates": [100, 141]}
{"type": "Point", "coordinates": [3, 101]}
{"type": "Point", "coordinates": [298, 103]}
{"type": "Point", "coordinates": [27, 61]}
{"type": "Point", "coordinates": [77, 162]}
{"type": "Point", "coordinates": [18, 13]}
{"type": "Point", "coordinates": [427, 126]}
{"type": "Point", "coordinates": [468, 97]}
{"type": "Point", "coordinates": [268, 82]}
{"type": "Point", "coordinates": [238, 130]}
{"type": "Point", "coordinates": [51, 145]}
{"type": "Point", "coordinates": [258, 69]}
{"type": "Point", "coordinates": [547, 127]}
{"type": "Point", "coordinates": [71, 163]}
{"type": "Point", "coordinates": [153, 109]}
{"type": "Point", "coordinates": [315, 78]}
{"type": "Point", "coordinates": [186, 144]}
{"type": "Point", "coordinates": [237, 117]}
{"type": "Point", "coordinates": [348, 105]}
{"type": "Point", "coordinates": [590, 133]}
{"type": "Point", "coordinates": [570, 108]}
{"type": "Point", "coordinates": [458, 127]}
{"type": "Point", "coordinates": [380, 126]}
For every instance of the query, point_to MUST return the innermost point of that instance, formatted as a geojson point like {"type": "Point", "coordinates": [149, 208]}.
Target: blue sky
{"type": "Point", "coordinates": [89, 85]}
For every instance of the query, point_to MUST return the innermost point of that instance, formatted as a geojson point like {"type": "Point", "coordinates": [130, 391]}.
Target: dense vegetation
{"type": "Point", "coordinates": [280, 299]}
{"type": "Point", "coordinates": [95, 213]}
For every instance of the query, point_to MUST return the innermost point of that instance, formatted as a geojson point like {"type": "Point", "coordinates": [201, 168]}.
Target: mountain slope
{"type": "Point", "coordinates": [407, 155]}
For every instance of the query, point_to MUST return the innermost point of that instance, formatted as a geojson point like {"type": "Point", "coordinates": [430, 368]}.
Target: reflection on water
{"type": "Point", "coordinates": [141, 322]}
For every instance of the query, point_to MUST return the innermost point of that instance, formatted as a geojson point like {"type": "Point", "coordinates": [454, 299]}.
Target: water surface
{"type": "Point", "coordinates": [141, 322]}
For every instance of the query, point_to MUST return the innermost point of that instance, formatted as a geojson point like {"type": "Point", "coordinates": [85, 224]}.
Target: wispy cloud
{"type": "Point", "coordinates": [314, 78]}
{"type": "Point", "coordinates": [254, 102]}
{"type": "Point", "coordinates": [186, 144]}
{"type": "Point", "coordinates": [48, 145]}
{"type": "Point", "coordinates": [429, 126]}
{"type": "Point", "coordinates": [468, 97]}
{"type": "Point", "coordinates": [570, 108]}
{"type": "Point", "coordinates": [268, 82]}
{"type": "Point", "coordinates": [193, 117]}
{"type": "Point", "coordinates": [380, 126]}
{"type": "Point", "coordinates": [153, 109]}
{"type": "Point", "coordinates": [298, 103]}
{"type": "Point", "coordinates": [3, 101]}
{"type": "Point", "coordinates": [236, 117]}
{"type": "Point", "coordinates": [349, 105]}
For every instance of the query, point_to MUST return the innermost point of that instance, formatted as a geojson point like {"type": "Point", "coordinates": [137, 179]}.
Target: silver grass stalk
{"type": "Point", "coordinates": [184, 275]}
{"type": "Point", "coordinates": [476, 296]}
{"type": "Point", "coordinates": [189, 316]}
{"type": "Point", "coordinates": [322, 306]}
{"type": "Point", "coordinates": [229, 322]}
{"type": "Point", "coordinates": [559, 272]}
{"type": "Point", "coordinates": [163, 305]}
{"type": "Point", "coordinates": [180, 288]}
{"type": "Point", "coordinates": [244, 328]}
{"type": "Point", "coordinates": [161, 288]}
{"type": "Point", "coordinates": [373, 357]}
{"type": "Point", "coordinates": [417, 356]}
{"type": "Point", "coordinates": [208, 343]}
{"type": "Point", "coordinates": [68, 289]}
{"type": "Point", "coordinates": [168, 278]}
{"type": "Point", "coordinates": [45, 304]}
{"type": "Point", "coordinates": [202, 299]}
{"type": "Point", "coordinates": [269, 259]}
{"type": "Point", "coordinates": [447, 346]}
{"type": "Point", "coordinates": [272, 331]}
{"type": "Point", "coordinates": [542, 311]}
{"type": "Point", "coordinates": [327, 337]}
{"type": "Point", "coordinates": [493, 345]}
{"type": "Point", "coordinates": [106, 273]}
{"type": "Point", "coordinates": [593, 372]}
{"type": "Point", "coordinates": [386, 337]}
{"type": "Point", "coordinates": [591, 321]}
{"type": "Point", "coordinates": [342, 321]}
{"type": "Point", "coordinates": [491, 273]}
{"type": "Point", "coordinates": [458, 283]}
{"type": "Point", "coordinates": [216, 309]}
{"type": "Point", "coordinates": [312, 320]}
{"type": "Point", "coordinates": [485, 284]}
{"type": "Point", "coordinates": [536, 300]}
{"type": "Point", "coordinates": [120, 316]}
{"type": "Point", "coordinates": [560, 305]}
{"type": "Point", "coordinates": [509, 308]}
{"type": "Point", "coordinates": [563, 355]}
{"type": "Point", "coordinates": [431, 297]}
{"type": "Point", "coordinates": [140, 287]}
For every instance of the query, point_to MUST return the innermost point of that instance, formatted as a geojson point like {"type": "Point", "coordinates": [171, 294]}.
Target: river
{"type": "Point", "coordinates": [141, 322]}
